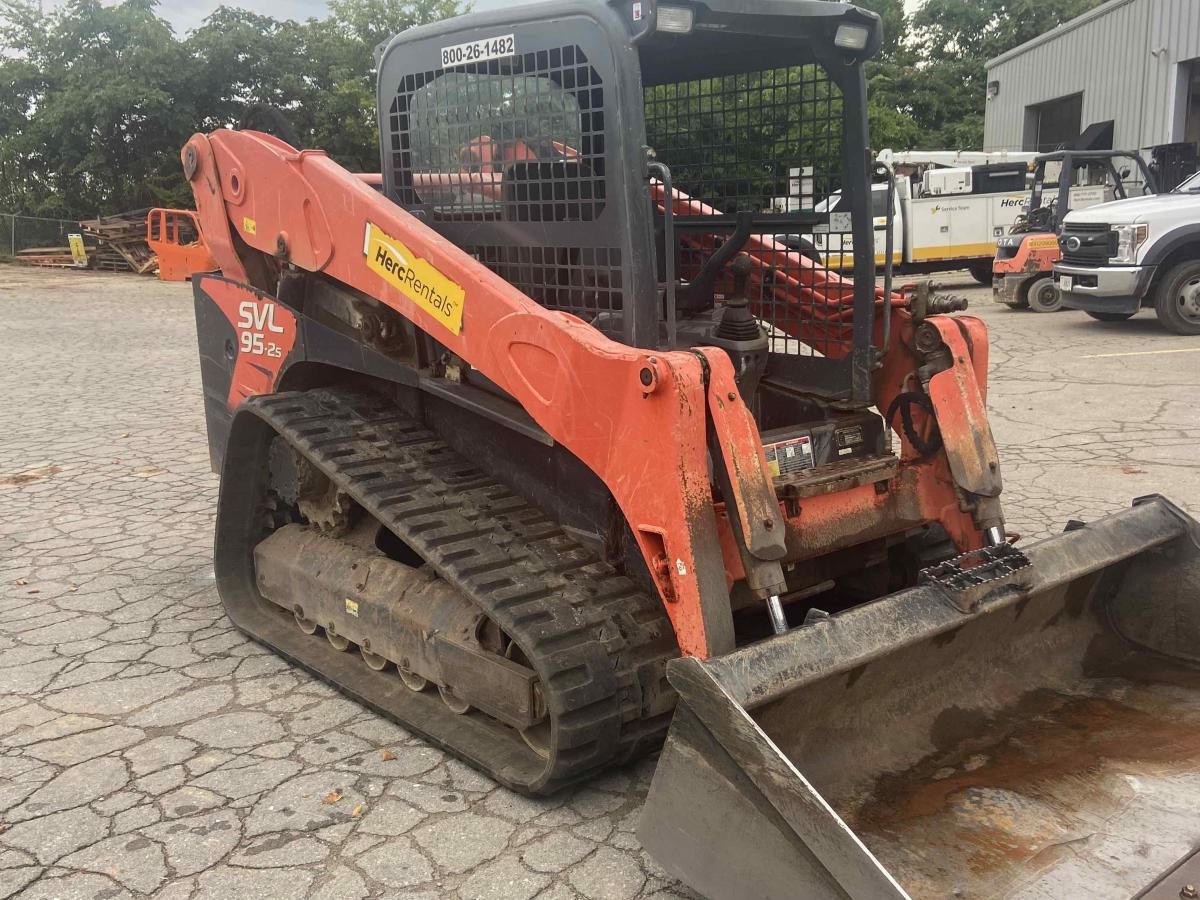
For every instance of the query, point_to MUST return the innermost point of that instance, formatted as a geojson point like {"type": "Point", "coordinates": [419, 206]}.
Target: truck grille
{"type": "Point", "coordinates": [1087, 244]}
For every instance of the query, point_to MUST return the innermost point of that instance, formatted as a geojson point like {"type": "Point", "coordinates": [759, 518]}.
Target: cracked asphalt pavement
{"type": "Point", "coordinates": [148, 749]}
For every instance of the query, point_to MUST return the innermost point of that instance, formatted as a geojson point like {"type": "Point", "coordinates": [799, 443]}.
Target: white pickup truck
{"type": "Point", "coordinates": [1144, 251]}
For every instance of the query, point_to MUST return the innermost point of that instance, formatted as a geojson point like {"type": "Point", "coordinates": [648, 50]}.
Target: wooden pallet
{"type": "Point", "coordinates": [47, 257]}
{"type": "Point", "coordinates": [121, 243]}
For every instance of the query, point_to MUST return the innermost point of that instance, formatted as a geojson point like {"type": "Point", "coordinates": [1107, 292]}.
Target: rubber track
{"type": "Point", "coordinates": [598, 643]}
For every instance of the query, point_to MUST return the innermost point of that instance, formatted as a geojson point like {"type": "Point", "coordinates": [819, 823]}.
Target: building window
{"type": "Point", "coordinates": [1054, 124]}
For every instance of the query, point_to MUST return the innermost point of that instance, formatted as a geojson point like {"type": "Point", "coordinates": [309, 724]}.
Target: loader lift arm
{"type": "Point", "coordinates": [256, 191]}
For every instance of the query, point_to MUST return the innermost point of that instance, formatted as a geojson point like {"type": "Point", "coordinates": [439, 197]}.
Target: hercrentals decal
{"type": "Point", "coordinates": [416, 278]}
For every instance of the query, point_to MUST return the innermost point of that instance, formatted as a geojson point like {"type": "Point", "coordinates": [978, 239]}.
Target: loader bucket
{"type": "Point", "coordinates": [1040, 740]}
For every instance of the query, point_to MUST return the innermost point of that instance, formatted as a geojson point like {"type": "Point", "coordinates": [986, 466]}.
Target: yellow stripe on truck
{"type": "Point", "coordinates": [846, 260]}
{"type": "Point", "coordinates": [953, 251]}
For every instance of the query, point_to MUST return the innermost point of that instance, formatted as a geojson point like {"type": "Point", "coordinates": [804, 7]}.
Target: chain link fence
{"type": "Point", "coordinates": [26, 232]}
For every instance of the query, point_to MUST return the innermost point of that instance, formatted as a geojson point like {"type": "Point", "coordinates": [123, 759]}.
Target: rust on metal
{"type": "Point", "coordinates": [1013, 793]}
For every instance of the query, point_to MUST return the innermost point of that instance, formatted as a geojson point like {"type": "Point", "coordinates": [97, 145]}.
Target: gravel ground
{"type": "Point", "coordinates": [148, 749]}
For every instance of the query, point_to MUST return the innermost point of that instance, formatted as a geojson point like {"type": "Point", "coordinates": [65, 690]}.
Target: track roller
{"type": "Point", "coordinates": [336, 640]}
{"type": "Point", "coordinates": [412, 680]}
{"type": "Point", "coordinates": [455, 704]}
{"type": "Point", "coordinates": [373, 661]}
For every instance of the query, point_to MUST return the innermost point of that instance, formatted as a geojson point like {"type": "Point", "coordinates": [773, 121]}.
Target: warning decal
{"type": "Point", "coordinates": [416, 278]}
{"type": "Point", "coordinates": [792, 455]}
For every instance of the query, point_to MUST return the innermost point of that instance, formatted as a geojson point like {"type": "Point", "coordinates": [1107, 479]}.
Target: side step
{"type": "Point", "coordinates": [598, 644]}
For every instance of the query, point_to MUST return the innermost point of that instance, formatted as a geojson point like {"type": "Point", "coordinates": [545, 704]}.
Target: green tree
{"type": "Point", "coordinates": [103, 97]}
{"type": "Point", "coordinates": [373, 22]}
{"type": "Point", "coordinates": [945, 86]}
{"type": "Point", "coordinates": [100, 98]}
{"type": "Point", "coordinates": [99, 95]}
{"type": "Point", "coordinates": [891, 116]}
{"type": "Point", "coordinates": [981, 29]}
{"type": "Point", "coordinates": [315, 74]}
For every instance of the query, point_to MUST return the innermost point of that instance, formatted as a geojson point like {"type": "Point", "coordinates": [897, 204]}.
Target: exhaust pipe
{"type": "Point", "coordinates": [1038, 735]}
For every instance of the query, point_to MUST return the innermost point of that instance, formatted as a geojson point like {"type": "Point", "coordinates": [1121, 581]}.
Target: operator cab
{"type": "Point", "coordinates": [547, 140]}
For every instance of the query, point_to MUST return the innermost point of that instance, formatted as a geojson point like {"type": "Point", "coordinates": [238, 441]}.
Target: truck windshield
{"type": "Point", "coordinates": [1189, 185]}
{"type": "Point", "coordinates": [836, 203]}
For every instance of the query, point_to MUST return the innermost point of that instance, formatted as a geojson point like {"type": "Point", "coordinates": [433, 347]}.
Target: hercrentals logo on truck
{"type": "Point", "coordinates": [416, 278]}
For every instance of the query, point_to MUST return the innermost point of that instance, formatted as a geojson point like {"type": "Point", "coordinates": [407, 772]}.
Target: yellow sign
{"type": "Point", "coordinates": [78, 251]}
{"type": "Point", "coordinates": [1043, 243]}
{"type": "Point", "coordinates": [416, 278]}
{"type": "Point", "coordinates": [249, 225]}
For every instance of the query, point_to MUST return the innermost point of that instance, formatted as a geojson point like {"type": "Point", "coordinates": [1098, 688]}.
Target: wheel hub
{"type": "Point", "coordinates": [1044, 296]}
{"type": "Point", "coordinates": [1189, 300]}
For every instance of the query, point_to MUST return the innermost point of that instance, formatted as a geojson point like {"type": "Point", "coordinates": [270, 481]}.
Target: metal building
{"type": "Point", "coordinates": [1135, 63]}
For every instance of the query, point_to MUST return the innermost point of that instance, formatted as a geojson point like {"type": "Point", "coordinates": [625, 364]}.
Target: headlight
{"type": "Point", "coordinates": [850, 36]}
{"type": "Point", "coordinates": [677, 19]}
{"type": "Point", "coordinates": [1129, 238]}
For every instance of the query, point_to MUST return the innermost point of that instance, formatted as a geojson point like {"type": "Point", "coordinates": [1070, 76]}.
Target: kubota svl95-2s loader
{"type": "Point", "coordinates": [546, 427]}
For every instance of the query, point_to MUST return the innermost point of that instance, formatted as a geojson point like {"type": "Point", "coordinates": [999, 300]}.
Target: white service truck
{"type": "Point", "coordinates": [1144, 251]}
{"type": "Point", "coordinates": [949, 209]}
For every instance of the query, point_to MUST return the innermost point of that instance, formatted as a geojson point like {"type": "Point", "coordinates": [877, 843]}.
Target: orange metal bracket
{"type": "Point", "coordinates": [961, 412]}
{"type": "Point", "coordinates": [741, 451]}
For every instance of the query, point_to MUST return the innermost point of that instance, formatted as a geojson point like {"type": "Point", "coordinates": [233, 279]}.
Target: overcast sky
{"type": "Point", "coordinates": [187, 14]}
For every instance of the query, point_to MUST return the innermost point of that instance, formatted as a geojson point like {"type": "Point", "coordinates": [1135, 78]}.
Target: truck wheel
{"type": "Point", "coordinates": [981, 271]}
{"type": "Point", "coordinates": [1043, 295]}
{"type": "Point", "coordinates": [1177, 301]}
{"type": "Point", "coordinates": [1109, 317]}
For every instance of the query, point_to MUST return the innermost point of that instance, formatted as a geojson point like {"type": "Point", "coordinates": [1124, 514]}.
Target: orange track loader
{"type": "Point", "coordinates": [542, 445]}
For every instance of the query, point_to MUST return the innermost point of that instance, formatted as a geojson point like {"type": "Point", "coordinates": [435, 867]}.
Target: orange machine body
{"type": "Point", "coordinates": [639, 419]}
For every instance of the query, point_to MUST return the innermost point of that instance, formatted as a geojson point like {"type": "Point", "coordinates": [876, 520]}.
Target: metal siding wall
{"type": "Point", "coordinates": [1108, 59]}
{"type": "Point", "coordinates": [1176, 29]}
